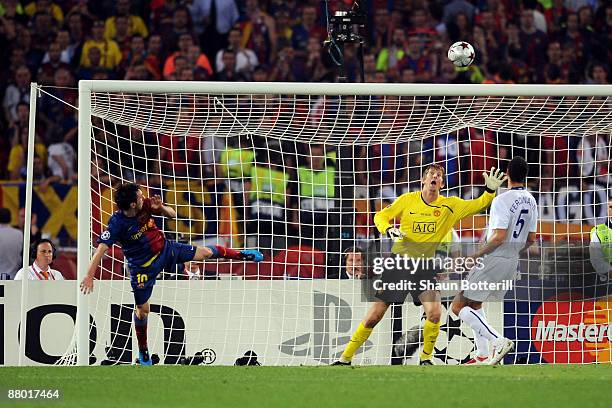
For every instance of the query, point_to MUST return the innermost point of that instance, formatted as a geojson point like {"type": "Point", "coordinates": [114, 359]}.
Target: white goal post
{"type": "Point", "coordinates": [418, 112]}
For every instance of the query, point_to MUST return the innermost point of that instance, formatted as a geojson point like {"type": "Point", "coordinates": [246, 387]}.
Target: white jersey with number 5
{"type": "Point", "coordinates": [516, 211]}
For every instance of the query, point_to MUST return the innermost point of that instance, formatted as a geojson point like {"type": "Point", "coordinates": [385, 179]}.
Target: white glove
{"type": "Point", "coordinates": [494, 179]}
{"type": "Point", "coordinates": [395, 234]}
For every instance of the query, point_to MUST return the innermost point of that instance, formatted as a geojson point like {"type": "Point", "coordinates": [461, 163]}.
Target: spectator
{"type": "Point", "coordinates": [417, 59]}
{"type": "Point", "coordinates": [456, 7]}
{"type": "Point", "coordinates": [354, 261]}
{"type": "Point", "coordinates": [77, 37]}
{"type": "Point", "coordinates": [259, 32]}
{"type": "Point", "coordinates": [390, 56]}
{"type": "Point", "coordinates": [44, 253]}
{"type": "Point", "coordinates": [556, 17]}
{"type": "Point", "coordinates": [260, 74]}
{"type": "Point", "coordinates": [306, 28]}
{"type": "Point", "coordinates": [268, 204]}
{"type": "Point", "coordinates": [138, 56]}
{"type": "Point", "coordinates": [535, 43]}
{"type": "Point", "coordinates": [35, 232]}
{"type": "Point", "coordinates": [32, 56]}
{"type": "Point", "coordinates": [199, 71]}
{"type": "Point", "coordinates": [11, 242]}
{"type": "Point", "coordinates": [229, 71]}
{"type": "Point", "coordinates": [380, 33]}
{"type": "Point", "coordinates": [246, 60]}
{"type": "Point", "coordinates": [284, 31]}
{"type": "Point", "coordinates": [283, 70]}
{"type": "Point", "coordinates": [598, 74]}
{"type": "Point", "coordinates": [62, 159]}
{"type": "Point", "coordinates": [18, 91]}
{"type": "Point", "coordinates": [94, 56]}
{"type": "Point", "coordinates": [17, 156]}
{"type": "Point", "coordinates": [162, 16]}
{"type": "Point", "coordinates": [62, 38]}
{"type": "Point", "coordinates": [155, 53]}
{"type": "Point", "coordinates": [45, 6]}
{"type": "Point", "coordinates": [181, 24]}
{"type": "Point", "coordinates": [574, 37]}
{"type": "Point", "coordinates": [122, 34]}
{"type": "Point", "coordinates": [213, 19]}
{"type": "Point", "coordinates": [56, 111]}
{"type": "Point", "coordinates": [317, 66]}
{"type": "Point", "coordinates": [110, 55]}
{"type": "Point", "coordinates": [46, 73]}
{"type": "Point", "coordinates": [315, 195]}
{"type": "Point", "coordinates": [185, 42]}
{"type": "Point", "coordinates": [43, 31]}
{"type": "Point", "coordinates": [135, 24]}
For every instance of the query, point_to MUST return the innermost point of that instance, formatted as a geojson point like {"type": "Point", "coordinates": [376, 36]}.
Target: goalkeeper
{"type": "Point", "coordinates": [148, 252]}
{"type": "Point", "coordinates": [426, 218]}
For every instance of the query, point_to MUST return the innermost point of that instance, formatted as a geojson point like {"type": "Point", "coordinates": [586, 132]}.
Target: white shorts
{"type": "Point", "coordinates": [495, 269]}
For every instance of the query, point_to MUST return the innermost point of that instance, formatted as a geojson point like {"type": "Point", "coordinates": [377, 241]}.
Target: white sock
{"type": "Point", "coordinates": [479, 324]}
{"type": "Point", "coordinates": [482, 344]}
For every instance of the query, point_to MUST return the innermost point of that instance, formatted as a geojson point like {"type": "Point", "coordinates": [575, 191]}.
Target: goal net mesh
{"type": "Point", "coordinates": [300, 177]}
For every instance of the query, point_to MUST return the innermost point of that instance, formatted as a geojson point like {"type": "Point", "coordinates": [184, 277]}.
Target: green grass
{"type": "Point", "coordinates": [314, 387]}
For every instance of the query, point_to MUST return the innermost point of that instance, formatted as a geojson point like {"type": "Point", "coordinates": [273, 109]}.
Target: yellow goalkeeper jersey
{"type": "Point", "coordinates": [426, 225]}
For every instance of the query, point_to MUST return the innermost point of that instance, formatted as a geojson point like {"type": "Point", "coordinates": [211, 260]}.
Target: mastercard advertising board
{"type": "Point", "coordinates": [562, 329]}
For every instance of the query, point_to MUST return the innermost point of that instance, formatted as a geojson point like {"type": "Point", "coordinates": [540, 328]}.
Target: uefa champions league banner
{"type": "Point", "coordinates": [283, 322]}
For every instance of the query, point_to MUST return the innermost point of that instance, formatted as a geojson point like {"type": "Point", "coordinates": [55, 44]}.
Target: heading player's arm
{"type": "Point", "coordinates": [87, 283]}
{"type": "Point", "coordinates": [160, 208]}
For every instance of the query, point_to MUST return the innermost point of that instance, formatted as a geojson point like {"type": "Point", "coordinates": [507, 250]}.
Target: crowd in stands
{"type": "Point", "coordinates": [56, 43]}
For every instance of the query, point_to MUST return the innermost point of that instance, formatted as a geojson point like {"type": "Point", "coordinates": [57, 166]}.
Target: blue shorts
{"type": "Point", "coordinates": [143, 278]}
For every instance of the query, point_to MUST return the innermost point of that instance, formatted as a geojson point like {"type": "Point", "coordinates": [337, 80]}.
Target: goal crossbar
{"type": "Point", "coordinates": [344, 88]}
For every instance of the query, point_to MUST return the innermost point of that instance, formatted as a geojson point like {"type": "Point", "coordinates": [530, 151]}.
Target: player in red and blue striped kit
{"type": "Point", "coordinates": [148, 252]}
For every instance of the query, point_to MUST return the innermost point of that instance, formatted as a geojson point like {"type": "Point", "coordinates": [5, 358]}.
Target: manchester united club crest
{"type": "Point", "coordinates": [436, 213]}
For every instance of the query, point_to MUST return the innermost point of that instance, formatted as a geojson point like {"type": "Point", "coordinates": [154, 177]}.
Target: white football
{"type": "Point", "coordinates": [461, 54]}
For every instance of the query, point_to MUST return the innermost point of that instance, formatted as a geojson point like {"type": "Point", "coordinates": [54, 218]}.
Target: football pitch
{"type": "Point", "coordinates": [382, 386]}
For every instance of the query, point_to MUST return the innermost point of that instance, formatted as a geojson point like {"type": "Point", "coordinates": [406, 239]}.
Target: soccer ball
{"type": "Point", "coordinates": [461, 54]}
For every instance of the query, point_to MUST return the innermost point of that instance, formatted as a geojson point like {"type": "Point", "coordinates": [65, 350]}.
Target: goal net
{"type": "Point", "coordinates": [298, 171]}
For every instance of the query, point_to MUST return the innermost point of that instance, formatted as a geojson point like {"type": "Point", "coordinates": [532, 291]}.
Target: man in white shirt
{"type": "Point", "coordinates": [512, 229]}
{"type": "Point", "coordinates": [62, 159]}
{"type": "Point", "coordinates": [246, 60]}
{"type": "Point", "coordinates": [44, 253]}
{"type": "Point", "coordinates": [11, 242]}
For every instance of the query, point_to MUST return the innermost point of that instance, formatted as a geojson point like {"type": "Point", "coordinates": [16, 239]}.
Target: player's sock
{"type": "Point", "coordinates": [219, 251]}
{"type": "Point", "coordinates": [430, 335]}
{"type": "Point", "coordinates": [359, 337]}
{"type": "Point", "coordinates": [479, 324]}
{"type": "Point", "coordinates": [482, 344]}
{"type": "Point", "coordinates": [141, 332]}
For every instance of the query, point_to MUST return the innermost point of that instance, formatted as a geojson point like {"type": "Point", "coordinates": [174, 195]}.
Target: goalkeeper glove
{"type": "Point", "coordinates": [494, 179]}
{"type": "Point", "coordinates": [395, 234]}
{"type": "Point", "coordinates": [251, 255]}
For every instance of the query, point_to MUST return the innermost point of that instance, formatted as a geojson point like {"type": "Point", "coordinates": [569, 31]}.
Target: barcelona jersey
{"type": "Point", "coordinates": [139, 236]}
